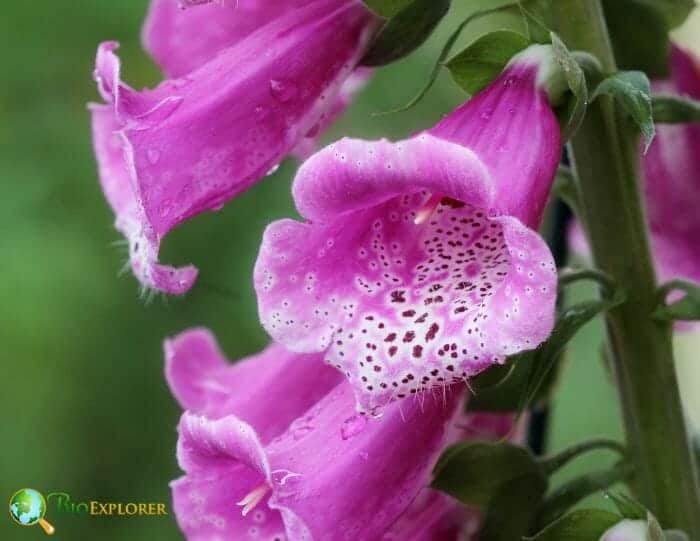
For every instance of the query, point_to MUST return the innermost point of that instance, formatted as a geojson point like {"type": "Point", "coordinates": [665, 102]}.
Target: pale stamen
{"type": "Point", "coordinates": [253, 498]}
{"type": "Point", "coordinates": [426, 211]}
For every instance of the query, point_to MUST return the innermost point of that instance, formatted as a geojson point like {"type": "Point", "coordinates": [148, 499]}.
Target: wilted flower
{"type": "Point", "coordinates": [241, 103]}
{"type": "Point", "coordinates": [418, 265]}
{"type": "Point", "coordinates": [277, 434]}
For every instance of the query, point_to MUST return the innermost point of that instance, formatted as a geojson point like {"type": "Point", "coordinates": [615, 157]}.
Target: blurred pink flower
{"type": "Point", "coordinates": [671, 172]}
{"type": "Point", "coordinates": [253, 85]}
{"type": "Point", "coordinates": [278, 433]}
{"type": "Point", "coordinates": [671, 184]}
{"type": "Point", "coordinates": [418, 265]}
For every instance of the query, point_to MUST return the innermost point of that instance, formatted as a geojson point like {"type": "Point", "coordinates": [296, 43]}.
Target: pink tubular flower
{"type": "Point", "coordinates": [277, 434]}
{"type": "Point", "coordinates": [418, 265]}
{"type": "Point", "coordinates": [671, 173]}
{"type": "Point", "coordinates": [175, 38]}
{"type": "Point", "coordinates": [243, 101]}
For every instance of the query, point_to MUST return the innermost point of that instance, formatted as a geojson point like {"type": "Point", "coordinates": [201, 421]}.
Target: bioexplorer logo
{"type": "Point", "coordinates": [28, 507]}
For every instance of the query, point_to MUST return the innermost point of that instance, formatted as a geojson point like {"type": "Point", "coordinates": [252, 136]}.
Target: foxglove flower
{"type": "Point", "coordinates": [174, 37]}
{"type": "Point", "coordinates": [671, 174]}
{"type": "Point", "coordinates": [304, 465]}
{"type": "Point", "coordinates": [192, 143]}
{"type": "Point", "coordinates": [418, 265]}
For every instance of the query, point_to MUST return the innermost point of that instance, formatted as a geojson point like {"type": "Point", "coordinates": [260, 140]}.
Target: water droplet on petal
{"type": "Point", "coordinates": [352, 426]}
{"type": "Point", "coordinates": [282, 90]}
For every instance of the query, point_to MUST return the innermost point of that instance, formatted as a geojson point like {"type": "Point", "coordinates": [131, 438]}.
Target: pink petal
{"type": "Point", "coordinates": [204, 382]}
{"type": "Point", "coordinates": [192, 144]}
{"type": "Point", "coordinates": [400, 307]}
{"type": "Point", "coordinates": [181, 40]}
{"type": "Point", "coordinates": [512, 128]}
{"type": "Point", "coordinates": [366, 475]}
{"type": "Point", "coordinates": [671, 171]}
{"type": "Point", "coordinates": [225, 461]}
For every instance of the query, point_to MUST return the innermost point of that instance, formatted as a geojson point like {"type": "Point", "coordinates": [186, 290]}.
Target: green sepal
{"type": "Point", "coordinates": [633, 91]}
{"type": "Point", "coordinates": [669, 109]}
{"type": "Point", "coordinates": [475, 471]}
{"type": "Point", "coordinates": [483, 59]}
{"type": "Point", "coordinates": [404, 32]}
{"type": "Point", "coordinates": [571, 116]}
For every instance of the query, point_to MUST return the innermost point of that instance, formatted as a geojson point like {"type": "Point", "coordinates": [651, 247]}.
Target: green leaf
{"type": "Point", "coordinates": [569, 321]}
{"type": "Point", "coordinates": [565, 188]}
{"type": "Point", "coordinates": [628, 507]}
{"type": "Point", "coordinates": [670, 109]}
{"type": "Point", "coordinates": [444, 53]}
{"type": "Point", "coordinates": [536, 17]}
{"type": "Point", "coordinates": [406, 31]}
{"type": "Point", "coordinates": [513, 509]}
{"type": "Point", "coordinates": [639, 34]}
{"type": "Point", "coordinates": [475, 472]}
{"type": "Point", "coordinates": [573, 114]}
{"type": "Point", "coordinates": [534, 373]}
{"type": "Point", "coordinates": [685, 309]}
{"type": "Point", "coordinates": [583, 525]}
{"type": "Point", "coordinates": [572, 492]}
{"type": "Point", "coordinates": [483, 59]}
{"type": "Point", "coordinates": [387, 8]}
{"type": "Point", "coordinates": [632, 90]}
{"type": "Point", "coordinates": [491, 378]}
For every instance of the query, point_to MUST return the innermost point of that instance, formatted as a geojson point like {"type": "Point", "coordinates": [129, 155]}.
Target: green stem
{"type": "Point", "coordinates": [553, 463]}
{"type": "Point", "coordinates": [566, 496]}
{"type": "Point", "coordinates": [605, 157]}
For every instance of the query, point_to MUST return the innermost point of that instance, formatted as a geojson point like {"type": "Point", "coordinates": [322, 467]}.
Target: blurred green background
{"type": "Point", "coordinates": [86, 408]}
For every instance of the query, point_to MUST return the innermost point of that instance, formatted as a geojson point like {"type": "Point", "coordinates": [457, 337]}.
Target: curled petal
{"type": "Point", "coordinates": [352, 174]}
{"type": "Point", "coordinates": [191, 144]}
{"type": "Point", "coordinates": [144, 243]}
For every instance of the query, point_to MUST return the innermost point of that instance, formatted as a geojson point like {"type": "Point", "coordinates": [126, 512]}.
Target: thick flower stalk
{"type": "Point", "coordinates": [241, 102]}
{"type": "Point", "coordinates": [309, 467]}
{"type": "Point", "coordinates": [418, 265]}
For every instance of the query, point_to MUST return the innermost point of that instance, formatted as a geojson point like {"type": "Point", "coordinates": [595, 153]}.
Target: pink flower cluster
{"type": "Point", "coordinates": [417, 266]}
